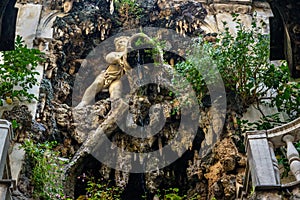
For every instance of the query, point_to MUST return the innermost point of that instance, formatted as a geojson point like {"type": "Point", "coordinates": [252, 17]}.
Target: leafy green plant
{"type": "Point", "coordinates": [17, 73]}
{"type": "Point", "coordinates": [264, 123]}
{"type": "Point", "coordinates": [243, 61]}
{"type": "Point", "coordinates": [14, 124]}
{"type": "Point", "coordinates": [192, 74]}
{"type": "Point", "coordinates": [152, 47]}
{"type": "Point", "coordinates": [47, 170]}
{"type": "Point", "coordinates": [128, 9]}
{"type": "Point", "coordinates": [282, 160]}
{"type": "Point", "coordinates": [173, 194]}
{"type": "Point", "coordinates": [197, 69]}
{"type": "Point", "coordinates": [98, 190]}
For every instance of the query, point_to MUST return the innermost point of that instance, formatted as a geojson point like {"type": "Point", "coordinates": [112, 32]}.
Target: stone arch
{"type": "Point", "coordinates": [45, 29]}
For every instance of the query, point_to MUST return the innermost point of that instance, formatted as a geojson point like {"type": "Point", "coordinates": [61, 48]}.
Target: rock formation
{"type": "Point", "coordinates": [82, 25]}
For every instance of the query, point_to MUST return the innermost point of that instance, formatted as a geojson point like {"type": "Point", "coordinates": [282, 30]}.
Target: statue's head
{"type": "Point", "coordinates": [121, 43]}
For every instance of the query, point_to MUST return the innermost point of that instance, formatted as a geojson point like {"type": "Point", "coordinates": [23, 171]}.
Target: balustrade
{"type": "Point", "coordinates": [6, 135]}
{"type": "Point", "coordinates": [262, 165]}
{"type": "Point", "coordinates": [293, 156]}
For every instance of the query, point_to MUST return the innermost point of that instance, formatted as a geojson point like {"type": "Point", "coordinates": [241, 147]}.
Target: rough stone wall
{"type": "Point", "coordinates": [69, 30]}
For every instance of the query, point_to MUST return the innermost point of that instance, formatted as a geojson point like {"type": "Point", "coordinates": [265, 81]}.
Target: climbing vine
{"type": "Point", "coordinates": [46, 170]}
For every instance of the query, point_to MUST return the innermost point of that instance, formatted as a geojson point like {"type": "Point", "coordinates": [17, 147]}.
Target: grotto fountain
{"type": "Point", "coordinates": [78, 28]}
{"type": "Point", "coordinates": [135, 119]}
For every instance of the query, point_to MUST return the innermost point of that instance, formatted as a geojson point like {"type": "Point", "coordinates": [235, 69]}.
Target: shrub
{"type": "Point", "coordinates": [47, 170]}
{"type": "Point", "coordinates": [97, 190]}
{"type": "Point", "coordinates": [173, 194]}
{"type": "Point", "coordinates": [243, 62]}
{"type": "Point", "coordinates": [18, 69]}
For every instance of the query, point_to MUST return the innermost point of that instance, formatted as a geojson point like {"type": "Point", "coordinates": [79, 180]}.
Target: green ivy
{"type": "Point", "coordinates": [18, 69]}
{"type": "Point", "coordinates": [98, 190]}
{"type": "Point", "coordinates": [173, 194]}
{"type": "Point", "coordinates": [128, 9]}
{"type": "Point", "coordinates": [47, 170]}
{"type": "Point", "coordinates": [264, 123]}
{"type": "Point", "coordinates": [198, 61]}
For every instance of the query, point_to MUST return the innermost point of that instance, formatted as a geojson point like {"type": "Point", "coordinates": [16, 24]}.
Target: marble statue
{"type": "Point", "coordinates": [118, 66]}
{"type": "Point", "coordinates": [110, 78]}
